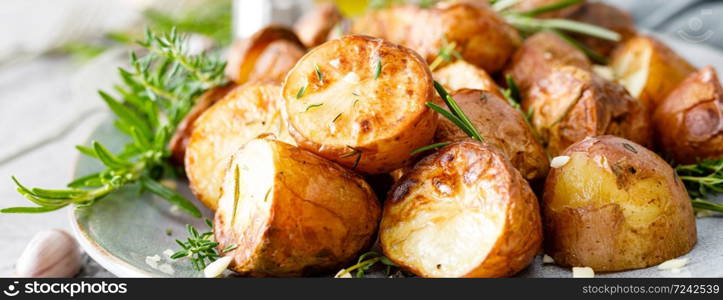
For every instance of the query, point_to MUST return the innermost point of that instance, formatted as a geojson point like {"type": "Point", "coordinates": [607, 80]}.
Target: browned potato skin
{"type": "Point", "coordinates": [267, 55]}
{"type": "Point", "coordinates": [321, 216]}
{"type": "Point", "coordinates": [666, 68]}
{"type": "Point", "coordinates": [314, 27]}
{"type": "Point", "coordinates": [482, 37]}
{"type": "Point", "coordinates": [463, 75]}
{"type": "Point", "coordinates": [528, 5]}
{"type": "Point", "coordinates": [570, 104]}
{"type": "Point", "coordinates": [688, 121]}
{"type": "Point", "coordinates": [180, 138]}
{"type": "Point", "coordinates": [501, 126]}
{"type": "Point", "coordinates": [539, 54]}
{"type": "Point", "coordinates": [602, 231]}
{"type": "Point", "coordinates": [463, 166]}
{"type": "Point", "coordinates": [606, 16]}
{"type": "Point", "coordinates": [384, 127]}
{"type": "Point", "coordinates": [246, 112]}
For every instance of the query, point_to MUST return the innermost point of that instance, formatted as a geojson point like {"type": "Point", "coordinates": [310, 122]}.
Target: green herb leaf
{"type": "Point", "coordinates": [428, 147]}
{"type": "Point", "coordinates": [312, 106]}
{"type": "Point", "coordinates": [318, 74]}
{"type": "Point", "coordinates": [301, 92]}
{"type": "Point", "coordinates": [170, 195]}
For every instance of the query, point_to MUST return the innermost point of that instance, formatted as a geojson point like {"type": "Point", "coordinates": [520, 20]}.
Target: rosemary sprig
{"type": "Point", "coordinates": [512, 94]}
{"type": "Point", "coordinates": [200, 247]}
{"type": "Point", "coordinates": [531, 25]}
{"type": "Point", "coordinates": [158, 91]}
{"type": "Point", "coordinates": [551, 7]}
{"type": "Point", "coordinates": [701, 180]}
{"type": "Point", "coordinates": [365, 262]}
{"type": "Point", "coordinates": [455, 113]}
{"type": "Point", "coordinates": [447, 53]}
{"type": "Point", "coordinates": [429, 147]}
{"type": "Point", "coordinates": [527, 23]}
{"type": "Point", "coordinates": [594, 56]}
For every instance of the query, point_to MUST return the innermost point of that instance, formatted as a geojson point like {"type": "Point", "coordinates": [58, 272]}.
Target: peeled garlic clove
{"type": "Point", "coordinates": [217, 267]}
{"type": "Point", "coordinates": [51, 253]}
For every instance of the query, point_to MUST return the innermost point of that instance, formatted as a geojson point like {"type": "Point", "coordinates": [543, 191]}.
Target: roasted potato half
{"type": "Point", "coordinates": [267, 55]}
{"type": "Point", "coordinates": [501, 126]}
{"type": "Point", "coordinates": [605, 16]}
{"type": "Point", "coordinates": [361, 102]}
{"type": "Point", "coordinates": [463, 75]}
{"type": "Point", "coordinates": [179, 141]}
{"type": "Point", "coordinates": [570, 104]}
{"type": "Point", "coordinates": [615, 206]}
{"type": "Point", "coordinates": [291, 212]}
{"type": "Point", "coordinates": [314, 27]}
{"type": "Point", "coordinates": [648, 69]}
{"type": "Point", "coordinates": [463, 211]}
{"type": "Point", "coordinates": [478, 33]}
{"type": "Point", "coordinates": [538, 55]}
{"type": "Point", "coordinates": [689, 121]}
{"type": "Point", "coordinates": [243, 114]}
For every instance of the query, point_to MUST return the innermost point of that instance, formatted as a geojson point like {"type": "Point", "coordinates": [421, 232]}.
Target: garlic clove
{"type": "Point", "coordinates": [217, 267]}
{"type": "Point", "coordinates": [50, 253]}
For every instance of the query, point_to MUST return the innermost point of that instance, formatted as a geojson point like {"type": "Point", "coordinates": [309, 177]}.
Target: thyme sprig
{"type": "Point", "coordinates": [701, 180]}
{"type": "Point", "coordinates": [158, 90]}
{"type": "Point", "coordinates": [365, 262]}
{"type": "Point", "coordinates": [200, 247]}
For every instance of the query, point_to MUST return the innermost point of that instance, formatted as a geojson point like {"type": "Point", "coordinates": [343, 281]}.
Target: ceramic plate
{"type": "Point", "coordinates": [128, 233]}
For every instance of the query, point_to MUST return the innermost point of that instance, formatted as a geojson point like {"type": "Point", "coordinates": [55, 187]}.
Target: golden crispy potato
{"type": "Point", "coordinates": [246, 112]}
{"type": "Point", "coordinates": [267, 55]}
{"type": "Point", "coordinates": [605, 16]}
{"type": "Point", "coordinates": [648, 69]}
{"type": "Point", "coordinates": [689, 121]}
{"type": "Point", "coordinates": [463, 75]}
{"type": "Point", "coordinates": [615, 206]}
{"type": "Point", "coordinates": [361, 102]}
{"type": "Point", "coordinates": [463, 211]}
{"type": "Point", "coordinates": [291, 212]}
{"type": "Point", "coordinates": [529, 5]}
{"type": "Point", "coordinates": [314, 27]}
{"type": "Point", "coordinates": [180, 138]}
{"type": "Point", "coordinates": [501, 126]}
{"type": "Point", "coordinates": [570, 104]}
{"type": "Point", "coordinates": [481, 36]}
{"type": "Point", "coordinates": [538, 55]}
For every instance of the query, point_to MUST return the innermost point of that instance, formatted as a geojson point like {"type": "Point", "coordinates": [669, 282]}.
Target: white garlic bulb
{"type": "Point", "coordinates": [51, 253]}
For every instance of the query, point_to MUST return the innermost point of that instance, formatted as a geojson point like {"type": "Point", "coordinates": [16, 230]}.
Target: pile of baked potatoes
{"type": "Point", "coordinates": [307, 156]}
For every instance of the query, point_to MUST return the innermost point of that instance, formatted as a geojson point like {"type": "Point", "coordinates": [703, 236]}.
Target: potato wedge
{"type": "Point", "coordinates": [291, 212]}
{"type": "Point", "coordinates": [361, 102]}
{"type": "Point", "coordinates": [615, 206]}
{"type": "Point", "coordinates": [689, 121]}
{"type": "Point", "coordinates": [570, 104]}
{"type": "Point", "coordinates": [501, 126]}
{"type": "Point", "coordinates": [314, 26]}
{"type": "Point", "coordinates": [481, 36]}
{"type": "Point", "coordinates": [538, 55]}
{"type": "Point", "coordinates": [605, 16]}
{"type": "Point", "coordinates": [648, 69]}
{"type": "Point", "coordinates": [463, 75]}
{"type": "Point", "coordinates": [246, 112]}
{"type": "Point", "coordinates": [463, 211]}
{"type": "Point", "coordinates": [179, 141]}
{"type": "Point", "coordinates": [267, 55]}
